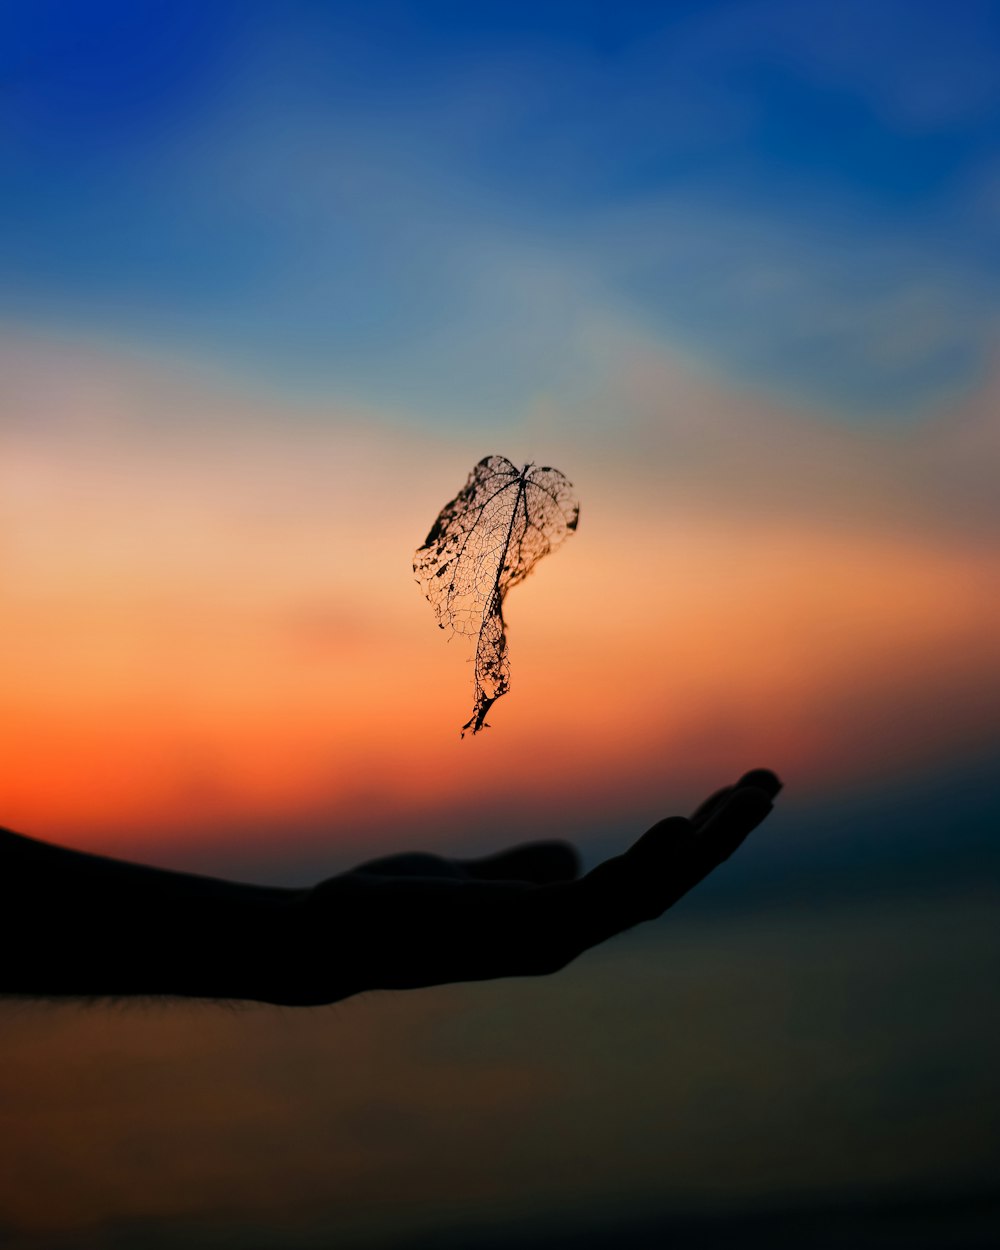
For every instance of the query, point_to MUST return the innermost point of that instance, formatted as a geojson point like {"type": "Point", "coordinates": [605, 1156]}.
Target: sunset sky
{"type": "Point", "coordinates": [272, 278]}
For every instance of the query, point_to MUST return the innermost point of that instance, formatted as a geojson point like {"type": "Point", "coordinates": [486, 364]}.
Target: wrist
{"type": "Point", "coordinates": [144, 933]}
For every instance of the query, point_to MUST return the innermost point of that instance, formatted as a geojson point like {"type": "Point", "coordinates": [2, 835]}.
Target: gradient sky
{"type": "Point", "coordinates": [438, 206]}
{"type": "Point", "coordinates": [272, 278]}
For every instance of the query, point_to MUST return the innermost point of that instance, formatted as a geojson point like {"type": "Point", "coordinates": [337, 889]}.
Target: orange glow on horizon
{"type": "Point", "coordinates": [197, 638]}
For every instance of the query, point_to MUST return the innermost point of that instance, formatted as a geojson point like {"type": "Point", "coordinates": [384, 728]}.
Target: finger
{"type": "Point", "coordinates": [705, 809]}
{"type": "Point", "coordinates": [675, 854]}
{"type": "Point", "coordinates": [411, 864]}
{"type": "Point", "coordinates": [538, 862]}
{"type": "Point", "coordinates": [759, 778]}
{"type": "Point", "coordinates": [621, 892]}
{"type": "Point", "coordinates": [662, 866]}
{"type": "Point", "coordinates": [727, 827]}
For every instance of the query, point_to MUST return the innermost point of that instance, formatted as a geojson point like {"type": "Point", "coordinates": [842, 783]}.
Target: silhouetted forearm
{"type": "Point", "coordinates": [83, 925]}
{"type": "Point", "coordinates": [77, 924]}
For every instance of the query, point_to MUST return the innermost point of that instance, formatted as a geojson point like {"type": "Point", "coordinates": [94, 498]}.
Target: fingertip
{"type": "Point", "coordinates": [760, 779]}
{"type": "Point", "coordinates": [745, 809]}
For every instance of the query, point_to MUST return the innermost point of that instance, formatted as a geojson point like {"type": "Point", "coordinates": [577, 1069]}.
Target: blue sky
{"type": "Point", "coordinates": [441, 206]}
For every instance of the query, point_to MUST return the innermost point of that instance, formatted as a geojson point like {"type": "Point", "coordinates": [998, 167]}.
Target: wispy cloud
{"type": "Point", "coordinates": [784, 200]}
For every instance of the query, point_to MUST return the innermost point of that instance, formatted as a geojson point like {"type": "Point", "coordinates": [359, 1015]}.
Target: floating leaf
{"type": "Point", "coordinates": [486, 540]}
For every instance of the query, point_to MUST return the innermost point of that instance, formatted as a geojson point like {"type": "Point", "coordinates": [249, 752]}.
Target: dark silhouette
{"type": "Point", "coordinates": [487, 539]}
{"type": "Point", "coordinates": [74, 924]}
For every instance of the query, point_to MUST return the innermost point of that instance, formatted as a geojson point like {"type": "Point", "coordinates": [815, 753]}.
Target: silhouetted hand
{"type": "Point", "coordinates": [73, 924]}
{"type": "Point", "coordinates": [415, 920]}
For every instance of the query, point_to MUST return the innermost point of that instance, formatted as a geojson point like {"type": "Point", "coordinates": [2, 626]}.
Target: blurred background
{"type": "Point", "coordinates": [273, 276]}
